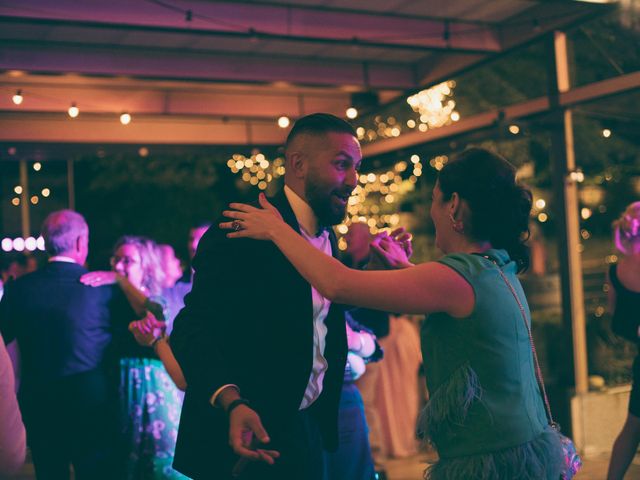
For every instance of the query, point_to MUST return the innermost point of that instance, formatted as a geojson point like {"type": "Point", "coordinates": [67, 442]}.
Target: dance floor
{"type": "Point", "coordinates": [411, 468]}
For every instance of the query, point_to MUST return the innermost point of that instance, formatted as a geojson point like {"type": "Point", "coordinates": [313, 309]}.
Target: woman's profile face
{"type": "Point", "coordinates": [127, 262]}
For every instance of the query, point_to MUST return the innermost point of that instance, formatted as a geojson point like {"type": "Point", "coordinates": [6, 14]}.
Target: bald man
{"type": "Point", "coordinates": [263, 352]}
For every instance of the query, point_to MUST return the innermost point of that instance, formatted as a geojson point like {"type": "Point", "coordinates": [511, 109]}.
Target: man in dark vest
{"type": "Point", "coordinates": [262, 351]}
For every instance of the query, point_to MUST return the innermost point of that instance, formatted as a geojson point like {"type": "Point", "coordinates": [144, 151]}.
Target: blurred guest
{"type": "Point", "coordinates": [624, 305]}
{"type": "Point", "coordinates": [149, 400]}
{"type": "Point", "coordinates": [195, 234]}
{"type": "Point", "coordinates": [170, 265]}
{"type": "Point", "coordinates": [396, 392]}
{"type": "Point", "coordinates": [352, 460]}
{"type": "Point", "coordinates": [12, 434]}
{"type": "Point", "coordinates": [63, 329]}
{"type": "Point", "coordinates": [357, 255]}
{"type": "Point", "coordinates": [175, 295]}
{"type": "Point", "coordinates": [5, 271]}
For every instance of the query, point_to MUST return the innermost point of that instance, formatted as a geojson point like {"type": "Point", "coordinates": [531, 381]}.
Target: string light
{"type": "Point", "coordinates": [17, 189]}
{"type": "Point", "coordinates": [606, 133]}
{"type": "Point", "coordinates": [283, 121]}
{"type": "Point", "coordinates": [514, 129]}
{"type": "Point", "coordinates": [577, 176]}
{"type": "Point", "coordinates": [125, 118]}
{"type": "Point", "coordinates": [435, 105]}
{"type": "Point", "coordinates": [18, 244]}
{"type": "Point", "coordinates": [30, 244]}
{"type": "Point", "coordinates": [37, 166]}
{"type": "Point", "coordinates": [7, 244]}
{"type": "Point", "coordinates": [45, 192]}
{"type": "Point", "coordinates": [352, 113]}
{"type": "Point", "coordinates": [73, 111]}
{"type": "Point", "coordinates": [17, 97]}
{"type": "Point", "coordinates": [256, 170]}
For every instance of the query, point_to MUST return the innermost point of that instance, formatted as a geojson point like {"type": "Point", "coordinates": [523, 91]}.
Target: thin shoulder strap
{"type": "Point", "coordinates": [533, 347]}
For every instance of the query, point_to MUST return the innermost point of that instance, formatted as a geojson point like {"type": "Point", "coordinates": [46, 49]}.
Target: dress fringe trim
{"type": "Point", "coordinates": [539, 459]}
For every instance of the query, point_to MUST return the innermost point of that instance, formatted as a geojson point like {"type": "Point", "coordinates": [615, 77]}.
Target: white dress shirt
{"type": "Point", "coordinates": [309, 227]}
{"type": "Point", "coordinates": [61, 258]}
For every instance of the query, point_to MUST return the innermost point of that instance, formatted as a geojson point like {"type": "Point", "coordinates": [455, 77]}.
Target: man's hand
{"type": "Point", "coordinates": [245, 434]}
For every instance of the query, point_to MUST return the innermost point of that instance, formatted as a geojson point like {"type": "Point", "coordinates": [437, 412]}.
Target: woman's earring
{"type": "Point", "coordinates": [457, 226]}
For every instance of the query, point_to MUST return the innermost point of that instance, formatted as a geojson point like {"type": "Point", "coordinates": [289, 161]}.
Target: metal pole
{"type": "Point", "coordinates": [566, 195]}
{"type": "Point", "coordinates": [71, 188]}
{"type": "Point", "coordinates": [24, 199]}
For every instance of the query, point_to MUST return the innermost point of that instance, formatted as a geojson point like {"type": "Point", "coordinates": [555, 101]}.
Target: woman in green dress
{"type": "Point", "coordinates": [485, 415]}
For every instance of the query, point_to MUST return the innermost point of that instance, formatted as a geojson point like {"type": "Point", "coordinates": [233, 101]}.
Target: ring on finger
{"type": "Point", "coordinates": [236, 225]}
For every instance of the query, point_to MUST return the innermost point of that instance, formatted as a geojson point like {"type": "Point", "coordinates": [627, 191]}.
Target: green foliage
{"type": "Point", "coordinates": [160, 197]}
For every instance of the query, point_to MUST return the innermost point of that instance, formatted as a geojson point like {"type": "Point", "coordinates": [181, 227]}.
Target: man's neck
{"type": "Point", "coordinates": [302, 210]}
{"type": "Point", "coordinates": [63, 258]}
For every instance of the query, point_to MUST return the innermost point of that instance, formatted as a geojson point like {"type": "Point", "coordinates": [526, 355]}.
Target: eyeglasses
{"type": "Point", "coordinates": [126, 261]}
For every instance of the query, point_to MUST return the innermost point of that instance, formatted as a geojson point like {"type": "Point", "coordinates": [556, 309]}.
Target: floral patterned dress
{"type": "Point", "coordinates": [150, 405]}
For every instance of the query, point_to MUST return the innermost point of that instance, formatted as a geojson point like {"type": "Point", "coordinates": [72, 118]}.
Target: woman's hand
{"type": "Point", "coordinates": [99, 278]}
{"type": "Point", "coordinates": [145, 331]}
{"type": "Point", "coordinates": [403, 238]}
{"type": "Point", "coordinates": [392, 251]}
{"type": "Point", "coordinates": [252, 222]}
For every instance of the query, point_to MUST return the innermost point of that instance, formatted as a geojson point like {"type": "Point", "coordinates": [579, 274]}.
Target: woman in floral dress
{"type": "Point", "coordinates": [150, 402]}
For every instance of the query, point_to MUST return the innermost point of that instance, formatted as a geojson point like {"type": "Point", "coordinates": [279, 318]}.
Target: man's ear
{"type": "Point", "coordinates": [298, 164]}
{"type": "Point", "coordinates": [79, 243]}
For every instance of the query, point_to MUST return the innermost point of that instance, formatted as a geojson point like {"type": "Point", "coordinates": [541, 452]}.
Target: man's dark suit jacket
{"type": "Point", "coordinates": [63, 327]}
{"type": "Point", "coordinates": [67, 396]}
{"type": "Point", "coordinates": [249, 321]}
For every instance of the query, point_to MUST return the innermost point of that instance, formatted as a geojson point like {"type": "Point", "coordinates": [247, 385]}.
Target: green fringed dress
{"type": "Point", "coordinates": [485, 415]}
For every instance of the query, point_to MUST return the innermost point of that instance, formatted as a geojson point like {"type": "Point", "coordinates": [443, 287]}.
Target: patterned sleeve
{"type": "Point", "coordinates": [378, 354]}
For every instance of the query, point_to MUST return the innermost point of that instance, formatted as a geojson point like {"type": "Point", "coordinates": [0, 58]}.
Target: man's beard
{"type": "Point", "coordinates": [320, 201]}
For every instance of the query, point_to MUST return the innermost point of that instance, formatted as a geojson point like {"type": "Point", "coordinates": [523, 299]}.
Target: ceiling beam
{"type": "Point", "coordinates": [525, 27]}
{"type": "Point", "coordinates": [267, 21]}
{"type": "Point", "coordinates": [49, 57]}
{"type": "Point", "coordinates": [143, 129]}
{"type": "Point", "coordinates": [576, 96]}
{"type": "Point", "coordinates": [187, 100]}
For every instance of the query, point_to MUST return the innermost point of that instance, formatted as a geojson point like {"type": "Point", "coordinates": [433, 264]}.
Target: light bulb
{"type": "Point", "coordinates": [283, 121]}
{"type": "Point", "coordinates": [125, 119]}
{"type": "Point", "coordinates": [74, 111]}
{"type": "Point", "coordinates": [351, 113]}
{"type": "Point", "coordinates": [18, 98]}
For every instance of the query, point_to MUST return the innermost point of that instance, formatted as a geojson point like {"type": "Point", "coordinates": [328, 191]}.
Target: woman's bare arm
{"type": "Point", "coordinates": [429, 287]}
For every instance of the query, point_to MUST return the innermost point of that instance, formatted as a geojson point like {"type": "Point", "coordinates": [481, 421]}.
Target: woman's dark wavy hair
{"type": "Point", "coordinates": [500, 207]}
